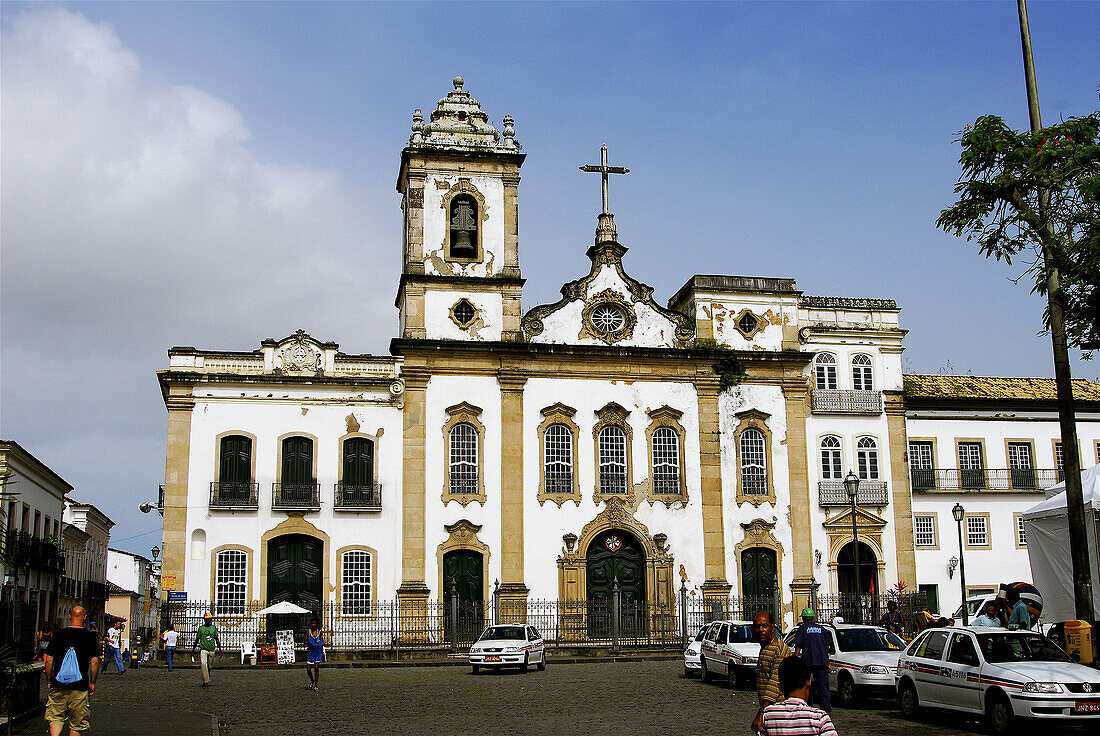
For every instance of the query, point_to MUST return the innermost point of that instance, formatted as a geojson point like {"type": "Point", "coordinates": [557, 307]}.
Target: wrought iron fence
{"type": "Point", "coordinates": [843, 401]}
{"type": "Point", "coordinates": [234, 495]}
{"type": "Point", "coordinates": [357, 497]}
{"type": "Point", "coordinates": [295, 495]}
{"type": "Point", "coordinates": [993, 479]}
{"type": "Point", "coordinates": [871, 493]}
{"type": "Point", "coordinates": [869, 609]}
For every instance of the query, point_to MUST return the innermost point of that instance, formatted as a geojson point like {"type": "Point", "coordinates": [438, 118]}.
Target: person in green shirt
{"type": "Point", "coordinates": [207, 642]}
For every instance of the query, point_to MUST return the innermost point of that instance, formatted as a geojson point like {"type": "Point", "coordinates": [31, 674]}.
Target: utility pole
{"type": "Point", "coordinates": [1075, 507]}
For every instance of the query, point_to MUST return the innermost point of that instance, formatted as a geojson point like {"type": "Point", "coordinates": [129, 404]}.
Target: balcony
{"type": "Point", "coordinates": [871, 493]}
{"type": "Point", "coordinates": [234, 496]}
{"type": "Point", "coordinates": [836, 401]}
{"type": "Point", "coordinates": [983, 479]}
{"type": "Point", "coordinates": [296, 496]}
{"type": "Point", "coordinates": [357, 497]}
{"type": "Point", "coordinates": [95, 590]}
{"type": "Point", "coordinates": [35, 553]}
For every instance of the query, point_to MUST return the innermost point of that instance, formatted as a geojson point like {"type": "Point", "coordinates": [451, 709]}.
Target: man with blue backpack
{"type": "Point", "coordinates": [72, 661]}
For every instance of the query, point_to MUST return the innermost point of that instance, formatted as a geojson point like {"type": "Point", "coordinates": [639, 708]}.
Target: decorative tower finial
{"type": "Point", "coordinates": [509, 132]}
{"type": "Point", "coordinates": [458, 82]}
{"type": "Point", "coordinates": [605, 228]}
{"type": "Point", "coordinates": [417, 127]}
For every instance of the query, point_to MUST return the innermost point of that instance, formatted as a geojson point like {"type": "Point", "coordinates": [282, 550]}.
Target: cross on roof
{"type": "Point", "coordinates": [603, 169]}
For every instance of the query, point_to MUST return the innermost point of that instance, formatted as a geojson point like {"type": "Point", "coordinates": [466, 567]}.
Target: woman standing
{"type": "Point", "coordinates": [315, 653]}
{"type": "Point", "coordinates": [170, 637]}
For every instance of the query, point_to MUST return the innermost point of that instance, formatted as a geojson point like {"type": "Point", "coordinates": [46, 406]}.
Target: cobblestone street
{"type": "Point", "coordinates": [648, 697]}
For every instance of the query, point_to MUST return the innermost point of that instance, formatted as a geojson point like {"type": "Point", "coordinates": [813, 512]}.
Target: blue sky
{"type": "Point", "coordinates": [212, 174]}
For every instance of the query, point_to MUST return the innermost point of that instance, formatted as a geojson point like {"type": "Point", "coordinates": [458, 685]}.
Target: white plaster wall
{"type": "Point", "coordinates": [544, 525]}
{"type": "Point", "coordinates": [885, 362]}
{"type": "Point", "coordinates": [486, 325]}
{"type": "Point", "coordinates": [723, 313]}
{"type": "Point", "coordinates": [318, 411]}
{"type": "Point", "coordinates": [442, 392]}
{"type": "Point", "coordinates": [652, 329]}
{"type": "Point", "coordinates": [435, 225]}
{"type": "Point", "coordinates": [123, 571]}
{"type": "Point", "coordinates": [995, 429]}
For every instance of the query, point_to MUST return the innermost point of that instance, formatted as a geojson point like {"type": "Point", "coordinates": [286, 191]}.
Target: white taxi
{"type": "Point", "coordinates": [862, 660]}
{"type": "Point", "coordinates": [999, 673]}
{"type": "Point", "coordinates": [693, 660]}
{"type": "Point", "coordinates": [508, 645]}
{"type": "Point", "coordinates": [730, 649]}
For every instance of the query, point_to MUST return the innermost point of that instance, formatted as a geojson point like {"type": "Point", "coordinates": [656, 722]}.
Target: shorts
{"type": "Point", "coordinates": [70, 705]}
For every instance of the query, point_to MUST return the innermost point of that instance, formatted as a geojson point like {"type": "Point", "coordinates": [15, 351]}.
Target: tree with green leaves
{"type": "Point", "coordinates": [1005, 176]}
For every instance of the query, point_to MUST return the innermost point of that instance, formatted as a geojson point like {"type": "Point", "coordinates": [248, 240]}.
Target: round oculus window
{"type": "Point", "coordinates": [608, 318]}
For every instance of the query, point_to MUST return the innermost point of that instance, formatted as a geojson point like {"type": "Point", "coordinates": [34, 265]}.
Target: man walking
{"type": "Point", "coordinates": [207, 642]}
{"type": "Point", "coordinates": [811, 642]}
{"type": "Point", "coordinates": [772, 651]}
{"type": "Point", "coordinates": [72, 666]}
{"type": "Point", "coordinates": [794, 717]}
{"type": "Point", "coordinates": [114, 645]}
{"type": "Point", "coordinates": [1019, 617]}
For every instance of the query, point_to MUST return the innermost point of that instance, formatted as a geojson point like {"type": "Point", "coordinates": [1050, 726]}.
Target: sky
{"type": "Point", "coordinates": [213, 174]}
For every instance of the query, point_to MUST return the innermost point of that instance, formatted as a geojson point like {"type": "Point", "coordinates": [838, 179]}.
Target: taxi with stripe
{"type": "Point", "coordinates": [508, 645]}
{"type": "Point", "coordinates": [862, 660]}
{"type": "Point", "coordinates": [1002, 674]}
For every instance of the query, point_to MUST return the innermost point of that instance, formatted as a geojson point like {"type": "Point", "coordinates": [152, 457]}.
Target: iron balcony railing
{"type": "Point", "coordinates": [871, 493]}
{"type": "Point", "coordinates": [33, 552]}
{"type": "Point", "coordinates": [357, 497]}
{"type": "Point", "coordinates": [612, 482]}
{"type": "Point", "coordinates": [234, 495]}
{"type": "Point", "coordinates": [95, 590]}
{"type": "Point", "coordinates": [983, 479]}
{"type": "Point", "coordinates": [559, 483]}
{"type": "Point", "coordinates": [296, 496]}
{"type": "Point", "coordinates": [838, 401]}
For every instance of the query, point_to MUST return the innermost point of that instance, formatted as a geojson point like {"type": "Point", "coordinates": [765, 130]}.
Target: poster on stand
{"type": "Point", "coordinates": [284, 646]}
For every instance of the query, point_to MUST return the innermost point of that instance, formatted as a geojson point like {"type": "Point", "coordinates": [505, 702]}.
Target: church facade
{"type": "Point", "coordinates": [544, 453]}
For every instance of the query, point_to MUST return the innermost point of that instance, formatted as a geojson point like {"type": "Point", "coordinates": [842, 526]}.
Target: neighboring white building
{"type": "Point", "coordinates": [991, 445]}
{"type": "Point", "coordinates": [34, 500]}
{"type": "Point", "coordinates": [93, 564]}
{"type": "Point", "coordinates": [135, 574]}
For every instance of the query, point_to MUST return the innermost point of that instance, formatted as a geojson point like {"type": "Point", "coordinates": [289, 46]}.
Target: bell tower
{"type": "Point", "coordinates": [459, 184]}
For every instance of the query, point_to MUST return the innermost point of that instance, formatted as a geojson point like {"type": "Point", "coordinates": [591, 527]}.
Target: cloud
{"type": "Point", "coordinates": [136, 215]}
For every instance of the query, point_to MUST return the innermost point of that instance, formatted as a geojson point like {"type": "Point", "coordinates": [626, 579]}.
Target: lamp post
{"type": "Point", "coordinates": [851, 487]}
{"type": "Point", "coordinates": [958, 512]}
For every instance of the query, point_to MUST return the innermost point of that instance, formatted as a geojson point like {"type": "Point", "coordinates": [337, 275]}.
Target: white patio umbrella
{"type": "Point", "coordinates": [284, 607]}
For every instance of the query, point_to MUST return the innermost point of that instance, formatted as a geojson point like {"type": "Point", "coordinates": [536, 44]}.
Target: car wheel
{"type": "Point", "coordinates": [1000, 714]}
{"type": "Point", "coordinates": [542, 662]}
{"type": "Point", "coordinates": [908, 702]}
{"type": "Point", "coordinates": [687, 672]}
{"type": "Point", "coordinates": [523, 667]}
{"type": "Point", "coordinates": [475, 668]}
{"type": "Point", "coordinates": [704, 673]}
{"type": "Point", "coordinates": [846, 691]}
{"type": "Point", "coordinates": [731, 677]}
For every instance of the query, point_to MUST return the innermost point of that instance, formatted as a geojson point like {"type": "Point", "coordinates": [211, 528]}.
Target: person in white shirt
{"type": "Point", "coordinates": [988, 617]}
{"type": "Point", "coordinates": [114, 644]}
{"type": "Point", "coordinates": [170, 637]}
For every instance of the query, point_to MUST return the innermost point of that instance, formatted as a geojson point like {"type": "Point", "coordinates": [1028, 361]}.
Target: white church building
{"type": "Point", "coordinates": [545, 452]}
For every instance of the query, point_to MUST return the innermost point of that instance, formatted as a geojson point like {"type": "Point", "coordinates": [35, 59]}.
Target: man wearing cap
{"type": "Point", "coordinates": [1019, 617]}
{"type": "Point", "coordinates": [811, 642]}
{"type": "Point", "coordinates": [207, 642]}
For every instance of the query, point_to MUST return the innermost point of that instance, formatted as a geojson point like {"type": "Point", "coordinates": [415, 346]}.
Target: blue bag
{"type": "Point", "coordinates": [70, 669]}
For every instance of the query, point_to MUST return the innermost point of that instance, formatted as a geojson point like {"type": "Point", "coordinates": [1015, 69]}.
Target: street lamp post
{"type": "Point", "coordinates": [958, 512]}
{"type": "Point", "coordinates": [851, 487]}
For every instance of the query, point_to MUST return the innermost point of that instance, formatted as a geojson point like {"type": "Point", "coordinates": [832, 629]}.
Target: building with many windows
{"type": "Point", "coordinates": [604, 441]}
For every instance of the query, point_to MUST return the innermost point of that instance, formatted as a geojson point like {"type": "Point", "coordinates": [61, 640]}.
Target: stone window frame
{"type": "Point", "coordinates": [821, 449]}
{"type": "Point", "coordinates": [463, 413]}
{"type": "Point", "coordinates": [988, 530]}
{"type": "Point", "coordinates": [463, 187]}
{"type": "Point", "coordinates": [218, 453]}
{"type": "Point", "coordinates": [669, 418]}
{"type": "Point", "coordinates": [758, 420]}
{"type": "Point", "coordinates": [279, 453]}
{"type": "Point", "coordinates": [454, 317]}
{"type": "Point", "coordinates": [612, 415]}
{"type": "Point", "coordinates": [869, 372]}
{"type": "Point", "coordinates": [1096, 449]}
{"type": "Point", "coordinates": [372, 610]}
{"type": "Point", "coordinates": [248, 560]}
{"type": "Point", "coordinates": [835, 375]}
{"type": "Point", "coordinates": [375, 441]}
{"type": "Point", "coordinates": [559, 414]}
{"type": "Point", "coordinates": [935, 530]}
{"type": "Point", "coordinates": [876, 449]}
{"type": "Point", "coordinates": [1018, 529]}
{"type": "Point", "coordinates": [1055, 449]}
{"type": "Point", "coordinates": [748, 334]}
{"type": "Point", "coordinates": [1031, 458]}
{"type": "Point", "coordinates": [612, 298]}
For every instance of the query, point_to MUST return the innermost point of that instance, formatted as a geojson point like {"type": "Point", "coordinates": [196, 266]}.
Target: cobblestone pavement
{"type": "Point", "coordinates": [648, 697]}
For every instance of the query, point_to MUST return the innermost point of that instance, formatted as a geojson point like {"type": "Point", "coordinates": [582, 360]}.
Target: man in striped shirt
{"type": "Point", "coordinates": [793, 716]}
{"type": "Point", "coordinates": [772, 651]}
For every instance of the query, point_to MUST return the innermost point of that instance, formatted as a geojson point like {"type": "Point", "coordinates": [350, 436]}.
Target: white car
{"type": "Point", "coordinates": [729, 649]}
{"type": "Point", "coordinates": [862, 660]}
{"type": "Point", "coordinates": [692, 655]}
{"type": "Point", "coordinates": [508, 645]}
{"type": "Point", "coordinates": [999, 673]}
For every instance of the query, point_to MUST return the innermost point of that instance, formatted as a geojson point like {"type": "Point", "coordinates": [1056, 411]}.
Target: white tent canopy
{"type": "Point", "coordinates": [284, 607]}
{"type": "Point", "coordinates": [1047, 527]}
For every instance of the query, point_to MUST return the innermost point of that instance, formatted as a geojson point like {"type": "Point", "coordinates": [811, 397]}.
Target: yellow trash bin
{"type": "Point", "coordinates": [1079, 641]}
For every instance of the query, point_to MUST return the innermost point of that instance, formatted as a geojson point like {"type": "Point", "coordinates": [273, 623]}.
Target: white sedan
{"type": "Point", "coordinates": [693, 653]}
{"type": "Point", "coordinates": [508, 645]}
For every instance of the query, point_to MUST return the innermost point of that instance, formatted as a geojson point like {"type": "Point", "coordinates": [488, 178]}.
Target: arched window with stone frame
{"type": "Point", "coordinates": [862, 374]}
{"type": "Point", "coordinates": [466, 211]}
{"type": "Point", "coordinates": [464, 440]}
{"type": "Point", "coordinates": [356, 581]}
{"type": "Point", "coordinates": [666, 456]}
{"type": "Point", "coordinates": [825, 371]}
{"type": "Point", "coordinates": [558, 444]}
{"type": "Point", "coordinates": [832, 464]}
{"type": "Point", "coordinates": [867, 458]}
{"type": "Point", "coordinates": [613, 454]}
{"type": "Point", "coordinates": [230, 582]}
{"type": "Point", "coordinates": [752, 440]}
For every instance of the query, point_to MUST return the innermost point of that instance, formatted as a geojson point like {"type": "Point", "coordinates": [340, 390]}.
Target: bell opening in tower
{"type": "Point", "coordinates": [463, 227]}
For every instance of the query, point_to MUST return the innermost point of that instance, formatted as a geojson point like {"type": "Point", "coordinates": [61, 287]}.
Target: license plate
{"type": "Point", "coordinates": [1090, 707]}
{"type": "Point", "coordinates": [492, 658]}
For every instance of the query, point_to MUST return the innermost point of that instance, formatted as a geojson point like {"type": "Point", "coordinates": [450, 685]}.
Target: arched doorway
{"type": "Point", "coordinates": [463, 580]}
{"type": "Point", "coordinates": [759, 580]}
{"type": "Point", "coordinates": [846, 580]}
{"type": "Point", "coordinates": [295, 563]}
{"type": "Point", "coordinates": [615, 555]}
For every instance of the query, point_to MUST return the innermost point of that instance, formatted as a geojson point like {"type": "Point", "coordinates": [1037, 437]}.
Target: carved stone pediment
{"type": "Point", "coordinates": [298, 354]}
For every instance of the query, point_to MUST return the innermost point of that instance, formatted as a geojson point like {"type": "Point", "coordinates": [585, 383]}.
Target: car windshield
{"type": "Point", "coordinates": [1019, 647]}
{"type": "Point", "coordinates": [702, 632]}
{"type": "Point", "coordinates": [742, 633]}
{"type": "Point", "coordinates": [503, 632]}
{"type": "Point", "coordinates": [868, 640]}
{"type": "Point", "coordinates": [974, 606]}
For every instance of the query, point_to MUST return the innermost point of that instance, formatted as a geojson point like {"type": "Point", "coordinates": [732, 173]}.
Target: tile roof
{"type": "Point", "coordinates": [918, 386]}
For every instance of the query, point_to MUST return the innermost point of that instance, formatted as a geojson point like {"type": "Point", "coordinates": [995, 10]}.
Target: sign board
{"type": "Point", "coordinates": [177, 596]}
{"type": "Point", "coordinates": [284, 646]}
{"type": "Point", "coordinates": [168, 582]}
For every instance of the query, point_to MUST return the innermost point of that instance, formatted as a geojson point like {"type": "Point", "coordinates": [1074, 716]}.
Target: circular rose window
{"type": "Point", "coordinates": [608, 318]}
